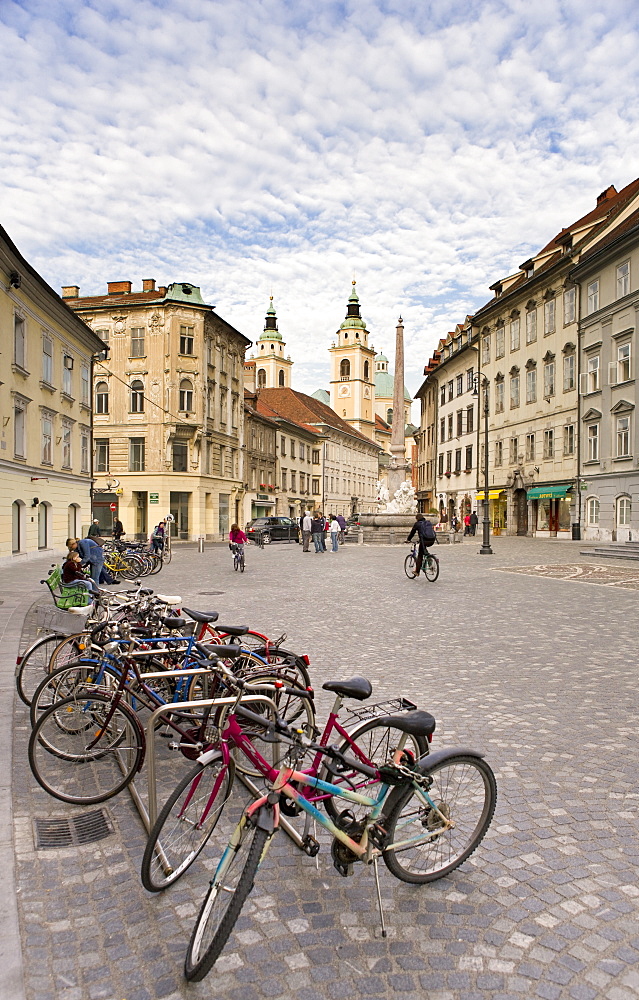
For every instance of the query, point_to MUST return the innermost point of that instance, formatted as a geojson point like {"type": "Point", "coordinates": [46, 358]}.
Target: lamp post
{"type": "Point", "coordinates": [482, 380]}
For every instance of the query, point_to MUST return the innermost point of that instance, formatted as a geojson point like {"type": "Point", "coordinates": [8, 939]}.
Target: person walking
{"type": "Point", "coordinates": [467, 524]}
{"type": "Point", "coordinates": [317, 532]}
{"type": "Point", "coordinates": [474, 521]}
{"type": "Point", "coordinates": [118, 529]}
{"type": "Point", "coordinates": [94, 529]}
{"type": "Point", "coordinates": [324, 530]}
{"type": "Point", "coordinates": [157, 538]}
{"type": "Point", "coordinates": [307, 522]}
{"type": "Point", "coordinates": [334, 530]}
{"type": "Point", "coordinates": [91, 554]}
{"type": "Point", "coordinates": [341, 520]}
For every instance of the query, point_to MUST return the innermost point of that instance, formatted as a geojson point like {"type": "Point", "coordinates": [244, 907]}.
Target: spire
{"type": "Point", "coordinates": [270, 323]}
{"type": "Point", "coordinates": [353, 317]}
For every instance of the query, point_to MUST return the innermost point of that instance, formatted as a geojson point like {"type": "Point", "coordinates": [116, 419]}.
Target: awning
{"type": "Point", "coordinates": [548, 492]}
{"type": "Point", "coordinates": [492, 494]}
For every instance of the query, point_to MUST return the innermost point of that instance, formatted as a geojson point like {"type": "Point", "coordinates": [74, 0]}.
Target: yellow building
{"type": "Point", "coordinates": [169, 409]}
{"type": "Point", "coordinates": [352, 389]}
{"type": "Point", "coordinates": [45, 404]}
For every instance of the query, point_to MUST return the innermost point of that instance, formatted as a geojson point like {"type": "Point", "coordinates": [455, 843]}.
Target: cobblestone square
{"type": "Point", "coordinates": [536, 670]}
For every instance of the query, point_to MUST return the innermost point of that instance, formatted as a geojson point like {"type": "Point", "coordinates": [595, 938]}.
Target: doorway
{"type": "Point", "coordinates": [520, 499]}
{"type": "Point", "coordinates": [179, 505]}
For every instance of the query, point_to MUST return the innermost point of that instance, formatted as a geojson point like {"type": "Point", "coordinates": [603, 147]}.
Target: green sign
{"type": "Point", "coordinates": [154, 497]}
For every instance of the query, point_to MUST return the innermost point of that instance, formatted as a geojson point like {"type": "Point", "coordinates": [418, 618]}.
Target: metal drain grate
{"type": "Point", "coordinates": [84, 829]}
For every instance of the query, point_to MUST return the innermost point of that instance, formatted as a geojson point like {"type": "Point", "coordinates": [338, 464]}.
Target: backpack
{"type": "Point", "coordinates": [428, 531]}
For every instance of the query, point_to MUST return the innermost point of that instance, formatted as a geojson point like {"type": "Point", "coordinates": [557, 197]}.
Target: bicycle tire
{"type": "Point", "coordinates": [157, 564]}
{"type": "Point", "coordinates": [70, 771]}
{"type": "Point", "coordinates": [242, 564]}
{"type": "Point", "coordinates": [236, 563]}
{"type": "Point", "coordinates": [410, 564]}
{"type": "Point", "coordinates": [32, 666]}
{"type": "Point", "coordinates": [70, 648]}
{"type": "Point", "coordinates": [181, 830]}
{"type": "Point", "coordinates": [133, 568]}
{"type": "Point", "coordinates": [64, 682]}
{"type": "Point", "coordinates": [442, 854]}
{"type": "Point", "coordinates": [430, 568]}
{"type": "Point", "coordinates": [167, 555]}
{"type": "Point", "coordinates": [378, 743]}
{"type": "Point", "coordinates": [223, 904]}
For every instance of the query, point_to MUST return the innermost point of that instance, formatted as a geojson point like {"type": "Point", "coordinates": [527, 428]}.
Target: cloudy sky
{"type": "Point", "coordinates": [424, 147]}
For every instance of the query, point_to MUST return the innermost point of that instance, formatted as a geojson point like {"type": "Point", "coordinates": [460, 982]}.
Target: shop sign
{"type": "Point", "coordinates": [154, 497]}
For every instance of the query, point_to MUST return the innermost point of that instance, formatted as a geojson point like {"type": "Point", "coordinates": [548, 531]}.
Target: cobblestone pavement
{"type": "Point", "coordinates": [607, 576]}
{"type": "Point", "coordinates": [538, 672]}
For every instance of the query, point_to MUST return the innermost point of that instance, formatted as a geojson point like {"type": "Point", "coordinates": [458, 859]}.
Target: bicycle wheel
{"type": "Point", "coordinates": [236, 562]}
{"type": "Point", "coordinates": [70, 649]}
{"type": "Point", "coordinates": [132, 567]}
{"type": "Point", "coordinates": [378, 744]}
{"type": "Point", "coordinates": [431, 567]}
{"type": "Point", "coordinates": [224, 900]}
{"type": "Point", "coordinates": [185, 823]}
{"type": "Point", "coordinates": [67, 681]}
{"type": "Point", "coordinates": [33, 665]}
{"type": "Point", "coordinates": [464, 790]}
{"type": "Point", "coordinates": [410, 566]}
{"type": "Point", "coordinates": [242, 563]}
{"type": "Point", "coordinates": [78, 756]}
{"type": "Point", "coordinates": [156, 563]}
{"type": "Point", "coordinates": [167, 555]}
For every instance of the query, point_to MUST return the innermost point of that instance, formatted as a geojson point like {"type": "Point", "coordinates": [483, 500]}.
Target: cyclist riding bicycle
{"type": "Point", "coordinates": [237, 539]}
{"type": "Point", "coordinates": [426, 535]}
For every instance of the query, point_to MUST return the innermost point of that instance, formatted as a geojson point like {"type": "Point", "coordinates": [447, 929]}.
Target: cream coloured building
{"type": "Point", "coordinates": [352, 387]}
{"type": "Point", "coordinates": [45, 404]}
{"type": "Point", "coordinates": [169, 408]}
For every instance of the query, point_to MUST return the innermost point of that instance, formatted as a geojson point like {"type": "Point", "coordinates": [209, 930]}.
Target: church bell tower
{"type": "Point", "coordinates": [352, 387]}
{"type": "Point", "coordinates": [272, 366]}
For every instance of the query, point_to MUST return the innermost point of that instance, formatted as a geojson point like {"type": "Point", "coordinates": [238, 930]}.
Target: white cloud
{"type": "Point", "coordinates": [251, 146]}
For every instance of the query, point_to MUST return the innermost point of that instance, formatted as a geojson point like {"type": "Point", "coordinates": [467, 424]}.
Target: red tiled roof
{"type": "Point", "coordinates": [612, 204]}
{"type": "Point", "coordinates": [124, 299]}
{"type": "Point", "coordinates": [306, 411]}
{"type": "Point", "coordinates": [380, 424]}
{"type": "Point", "coordinates": [630, 223]}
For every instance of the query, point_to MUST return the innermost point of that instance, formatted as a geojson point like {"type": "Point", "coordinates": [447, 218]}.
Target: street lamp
{"type": "Point", "coordinates": [482, 380]}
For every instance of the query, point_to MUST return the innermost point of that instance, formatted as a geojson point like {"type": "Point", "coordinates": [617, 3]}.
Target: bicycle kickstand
{"type": "Point", "coordinates": [379, 897]}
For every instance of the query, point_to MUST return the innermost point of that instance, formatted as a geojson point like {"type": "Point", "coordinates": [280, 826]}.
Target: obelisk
{"type": "Point", "coordinates": [398, 467]}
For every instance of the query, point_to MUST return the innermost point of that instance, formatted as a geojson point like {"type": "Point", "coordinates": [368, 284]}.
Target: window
{"type": "Point", "coordinates": [499, 452]}
{"type": "Point", "coordinates": [569, 439]}
{"type": "Point", "coordinates": [485, 350]}
{"type": "Point", "coordinates": [280, 378]}
{"type": "Point", "coordinates": [450, 426]}
{"type": "Point", "coordinates": [623, 279]}
{"type": "Point", "coordinates": [284, 486]}
{"type": "Point", "coordinates": [19, 440]}
{"type": "Point", "coordinates": [186, 340]}
{"type": "Point", "coordinates": [442, 396]}
{"type": "Point", "coordinates": [67, 377]}
{"type": "Point", "coordinates": [530, 447]}
{"type": "Point", "coordinates": [47, 440]}
{"type": "Point", "coordinates": [569, 372]}
{"type": "Point", "coordinates": [549, 444]}
{"type": "Point", "coordinates": [592, 508]}
{"type": "Point", "coordinates": [450, 389]}
{"type": "Point", "coordinates": [389, 415]}
{"type": "Point", "coordinates": [593, 296]}
{"type": "Point", "coordinates": [623, 437]}
{"type": "Point", "coordinates": [592, 375]}
{"type": "Point", "coordinates": [302, 452]}
{"type": "Point", "coordinates": [449, 462]}
{"type": "Point", "coordinates": [209, 351]}
{"type": "Point", "coordinates": [619, 370]}
{"type": "Point", "coordinates": [500, 342]}
{"type": "Point", "coordinates": [294, 482]}
{"type": "Point", "coordinates": [440, 464]}
{"type": "Point", "coordinates": [514, 334]}
{"type": "Point", "coordinates": [549, 317]}
{"type": "Point", "coordinates": [458, 456]}
{"type": "Point", "coordinates": [315, 487]}
{"type": "Point", "coordinates": [84, 384]}
{"type": "Point", "coordinates": [531, 326]}
{"type": "Point", "coordinates": [222, 406]}
{"type": "Point", "coordinates": [66, 446]}
{"type": "Point", "coordinates": [103, 335]}
{"type": "Point", "coordinates": [469, 380]}
{"type": "Point", "coordinates": [283, 446]}
{"type": "Point", "coordinates": [593, 443]}
{"type": "Point", "coordinates": [470, 414]}
{"type": "Point", "coordinates": [261, 378]}
{"type": "Point", "coordinates": [316, 458]}
{"type": "Point", "coordinates": [514, 451]}
{"type": "Point", "coordinates": [469, 457]}
{"type": "Point", "coordinates": [292, 448]}
{"type": "Point", "coordinates": [137, 396]}
{"type": "Point", "coordinates": [84, 451]}
{"type": "Point", "coordinates": [624, 508]}
{"type": "Point", "coordinates": [345, 370]}
{"type": "Point", "coordinates": [569, 306]}
{"type": "Point", "coordinates": [442, 429]}
{"type": "Point", "coordinates": [19, 341]}
{"type": "Point", "coordinates": [102, 397]}
{"type": "Point", "coordinates": [531, 386]}
{"type": "Point", "coordinates": [499, 397]}
{"type": "Point", "coordinates": [514, 391]}
{"type": "Point", "coordinates": [459, 385]}
{"type": "Point", "coordinates": [47, 359]}
{"type": "Point", "coordinates": [366, 371]}
{"type": "Point", "coordinates": [137, 342]}
{"type": "Point", "coordinates": [101, 454]}
{"type": "Point", "coordinates": [186, 395]}
{"type": "Point", "coordinates": [136, 454]}
{"type": "Point", "coordinates": [181, 457]}
{"type": "Point", "coordinates": [549, 379]}
{"type": "Point", "coordinates": [460, 422]}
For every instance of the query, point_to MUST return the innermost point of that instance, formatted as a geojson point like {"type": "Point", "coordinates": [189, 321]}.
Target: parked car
{"type": "Point", "coordinates": [275, 529]}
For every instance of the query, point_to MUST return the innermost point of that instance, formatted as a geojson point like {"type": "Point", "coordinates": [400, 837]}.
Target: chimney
{"type": "Point", "coordinates": [162, 290]}
{"type": "Point", "coordinates": [70, 291]}
{"type": "Point", "coordinates": [148, 284]}
{"type": "Point", "coordinates": [119, 287]}
{"type": "Point", "coordinates": [606, 195]}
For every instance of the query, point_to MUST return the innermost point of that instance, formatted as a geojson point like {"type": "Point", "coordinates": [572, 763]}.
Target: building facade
{"type": "Point", "coordinates": [352, 386]}
{"type": "Point", "coordinates": [45, 401]}
{"type": "Point", "coordinates": [426, 438]}
{"type": "Point", "coordinates": [260, 461]}
{"type": "Point", "coordinates": [169, 408]}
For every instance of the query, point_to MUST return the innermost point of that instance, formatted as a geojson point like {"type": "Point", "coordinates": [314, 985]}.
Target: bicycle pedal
{"type": "Point", "coordinates": [310, 845]}
{"type": "Point", "coordinates": [344, 870]}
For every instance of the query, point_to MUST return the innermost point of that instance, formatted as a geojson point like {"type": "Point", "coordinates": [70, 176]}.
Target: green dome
{"type": "Point", "coordinates": [270, 325]}
{"type": "Point", "coordinates": [384, 386]}
{"type": "Point", "coordinates": [353, 319]}
{"type": "Point", "coordinates": [322, 395]}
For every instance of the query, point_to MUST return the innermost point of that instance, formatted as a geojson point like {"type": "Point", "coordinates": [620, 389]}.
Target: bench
{"type": "Point", "coordinates": [66, 595]}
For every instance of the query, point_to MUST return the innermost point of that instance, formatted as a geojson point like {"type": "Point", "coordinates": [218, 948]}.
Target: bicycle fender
{"type": "Point", "coordinates": [209, 755]}
{"type": "Point", "coordinates": [431, 760]}
{"type": "Point", "coordinates": [266, 820]}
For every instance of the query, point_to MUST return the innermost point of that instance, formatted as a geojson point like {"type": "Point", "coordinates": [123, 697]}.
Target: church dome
{"type": "Point", "coordinates": [270, 325]}
{"type": "Point", "coordinates": [384, 385]}
{"type": "Point", "coordinates": [353, 319]}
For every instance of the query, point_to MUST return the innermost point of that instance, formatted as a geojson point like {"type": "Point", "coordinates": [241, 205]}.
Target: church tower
{"type": "Point", "coordinates": [352, 385]}
{"type": "Point", "coordinates": [272, 366]}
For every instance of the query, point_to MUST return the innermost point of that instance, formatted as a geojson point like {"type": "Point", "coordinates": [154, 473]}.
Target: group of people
{"type": "Point", "coordinates": [86, 553]}
{"type": "Point", "coordinates": [315, 526]}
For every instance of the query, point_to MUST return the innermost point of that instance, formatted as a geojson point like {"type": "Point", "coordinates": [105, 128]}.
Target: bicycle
{"type": "Point", "coordinates": [430, 564]}
{"type": "Point", "coordinates": [425, 820]}
{"type": "Point", "coordinates": [181, 830]}
{"type": "Point", "coordinates": [238, 556]}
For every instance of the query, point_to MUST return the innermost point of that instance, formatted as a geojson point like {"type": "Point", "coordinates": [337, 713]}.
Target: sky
{"type": "Point", "coordinates": [424, 148]}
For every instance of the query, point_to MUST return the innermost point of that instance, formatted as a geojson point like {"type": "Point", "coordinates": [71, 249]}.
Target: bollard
{"type": "Point", "coordinates": [200, 543]}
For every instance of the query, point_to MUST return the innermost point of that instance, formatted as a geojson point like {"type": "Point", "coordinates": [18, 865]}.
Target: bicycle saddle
{"type": "Point", "coordinates": [416, 723]}
{"type": "Point", "coordinates": [356, 687]}
{"type": "Point", "coordinates": [202, 616]}
{"type": "Point", "coordinates": [234, 629]}
{"type": "Point", "coordinates": [173, 623]}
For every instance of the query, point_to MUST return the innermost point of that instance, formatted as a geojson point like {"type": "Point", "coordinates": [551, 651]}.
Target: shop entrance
{"type": "Point", "coordinates": [520, 499]}
{"type": "Point", "coordinates": [179, 504]}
